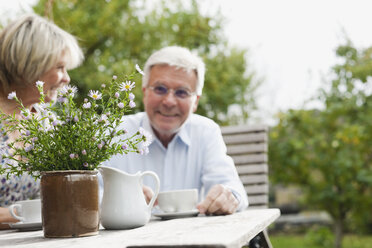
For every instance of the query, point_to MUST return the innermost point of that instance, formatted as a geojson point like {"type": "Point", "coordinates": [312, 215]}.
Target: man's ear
{"type": "Point", "coordinates": [195, 107]}
{"type": "Point", "coordinates": [143, 94]}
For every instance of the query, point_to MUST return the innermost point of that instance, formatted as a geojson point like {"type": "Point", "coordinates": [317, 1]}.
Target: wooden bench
{"type": "Point", "coordinates": [248, 146]}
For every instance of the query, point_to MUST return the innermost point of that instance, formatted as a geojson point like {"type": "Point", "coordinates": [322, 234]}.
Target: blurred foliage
{"type": "Point", "coordinates": [117, 34]}
{"type": "Point", "coordinates": [285, 240]}
{"type": "Point", "coordinates": [328, 152]}
{"type": "Point", "coordinates": [319, 236]}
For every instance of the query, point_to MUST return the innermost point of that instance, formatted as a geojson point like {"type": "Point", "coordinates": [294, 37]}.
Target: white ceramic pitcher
{"type": "Point", "coordinates": [123, 204]}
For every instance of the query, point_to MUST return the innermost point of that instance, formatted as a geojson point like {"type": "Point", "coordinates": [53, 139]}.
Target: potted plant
{"type": "Point", "coordinates": [64, 143]}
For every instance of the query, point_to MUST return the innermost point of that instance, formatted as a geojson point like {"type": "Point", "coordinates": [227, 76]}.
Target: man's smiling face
{"type": "Point", "coordinates": [166, 112]}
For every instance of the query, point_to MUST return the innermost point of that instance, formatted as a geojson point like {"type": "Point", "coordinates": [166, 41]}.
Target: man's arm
{"type": "Point", "coordinates": [225, 191]}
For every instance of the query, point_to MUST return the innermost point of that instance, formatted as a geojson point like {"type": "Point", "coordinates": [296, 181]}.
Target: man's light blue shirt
{"type": "Point", "coordinates": [195, 158]}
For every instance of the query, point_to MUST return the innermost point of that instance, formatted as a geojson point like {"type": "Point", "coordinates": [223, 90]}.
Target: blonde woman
{"type": "Point", "coordinates": [31, 49]}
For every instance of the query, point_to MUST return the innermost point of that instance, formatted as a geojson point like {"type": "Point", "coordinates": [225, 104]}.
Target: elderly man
{"type": "Point", "coordinates": [188, 150]}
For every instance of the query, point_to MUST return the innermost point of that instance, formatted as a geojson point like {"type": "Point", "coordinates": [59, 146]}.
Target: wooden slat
{"type": "Point", "coordinates": [257, 189]}
{"type": "Point", "coordinates": [252, 169]}
{"type": "Point", "coordinates": [250, 159]}
{"type": "Point", "coordinates": [257, 200]}
{"type": "Point", "coordinates": [243, 129]}
{"type": "Point", "coordinates": [254, 179]}
{"type": "Point", "coordinates": [244, 138]}
{"type": "Point", "coordinates": [247, 148]}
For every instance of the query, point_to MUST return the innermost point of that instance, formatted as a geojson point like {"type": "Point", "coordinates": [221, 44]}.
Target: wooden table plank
{"type": "Point", "coordinates": [230, 231]}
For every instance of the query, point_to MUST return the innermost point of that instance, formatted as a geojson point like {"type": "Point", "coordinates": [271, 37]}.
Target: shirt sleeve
{"type": "Point", "coordinates": [219, 168]}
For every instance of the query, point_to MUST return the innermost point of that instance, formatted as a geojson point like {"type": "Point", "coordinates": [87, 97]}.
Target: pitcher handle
{"type": "Point", "coordinates": [157, 187]}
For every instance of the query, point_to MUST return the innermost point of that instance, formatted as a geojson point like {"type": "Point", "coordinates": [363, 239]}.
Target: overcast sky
{"type": "Point", "coordinates": [291, 43]}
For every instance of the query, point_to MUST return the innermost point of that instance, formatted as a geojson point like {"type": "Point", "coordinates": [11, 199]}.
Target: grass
{"type": "Point", "coordinates": [302, 241]}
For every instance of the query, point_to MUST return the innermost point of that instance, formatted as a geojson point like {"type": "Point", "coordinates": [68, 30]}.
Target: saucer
{"type": "Point", "coordinates": [185, 214]}
{"type": "Point", "coordinates": [28, 226]}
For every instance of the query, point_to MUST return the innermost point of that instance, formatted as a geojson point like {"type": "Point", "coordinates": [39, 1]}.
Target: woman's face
{"type": "Point", "coordinates": [55, 78]}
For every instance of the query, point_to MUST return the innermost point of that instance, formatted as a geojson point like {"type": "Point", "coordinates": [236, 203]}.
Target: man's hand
{"type": "Point", "coordinates": [219, 201]}
{"type": "Point", "coordinates": [5, 216]}
{"type": "Point", "coordinates": [147, 191]}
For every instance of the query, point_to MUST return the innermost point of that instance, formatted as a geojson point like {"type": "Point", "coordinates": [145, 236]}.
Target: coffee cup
{"type": "Point", "coordinates": [178, 200]}
{"type": "Point", "coordinates": [28, 211]}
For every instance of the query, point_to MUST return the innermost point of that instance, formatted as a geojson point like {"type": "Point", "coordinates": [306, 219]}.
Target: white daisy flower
{"type": "Point", "coordinates": [67, 90]}
{"type": "Point", "coordinates": [128, 85]}
{"type": "Point", "coordinates": [95, 94]}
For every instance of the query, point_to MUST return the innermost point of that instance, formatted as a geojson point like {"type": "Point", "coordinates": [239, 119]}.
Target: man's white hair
{"type": "Point", "coordinates": [179, 57]}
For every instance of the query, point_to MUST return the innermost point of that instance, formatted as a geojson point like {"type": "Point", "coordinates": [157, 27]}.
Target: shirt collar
{"type": "Point", "coordinates": [183, 135]}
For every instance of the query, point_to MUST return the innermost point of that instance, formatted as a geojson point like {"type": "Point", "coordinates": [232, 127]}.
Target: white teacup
{"type": "Point", "coordinates": [28, 211]}
{"type": "Point", "coordinates": [178, 200]}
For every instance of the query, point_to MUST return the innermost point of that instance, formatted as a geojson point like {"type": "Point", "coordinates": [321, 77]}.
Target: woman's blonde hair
{"type": "Point", "coordinates": [30, 46]}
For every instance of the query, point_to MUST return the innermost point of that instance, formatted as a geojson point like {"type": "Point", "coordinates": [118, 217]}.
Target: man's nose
{"type": "Point", "coordinates": [170, 98]}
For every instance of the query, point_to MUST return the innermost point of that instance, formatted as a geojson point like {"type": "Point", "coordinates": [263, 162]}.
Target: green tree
{"type": "Point", "coordinates": [117, 34]}
{"type": "Point", "coordinates": [328, 152]}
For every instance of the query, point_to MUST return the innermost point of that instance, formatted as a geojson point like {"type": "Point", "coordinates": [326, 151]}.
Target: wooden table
{"type": "Point", "coordinates": [202, 231]}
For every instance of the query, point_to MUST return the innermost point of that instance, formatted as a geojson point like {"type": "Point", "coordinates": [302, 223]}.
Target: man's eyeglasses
{"type": "Point", "coordinates": [179, 93]}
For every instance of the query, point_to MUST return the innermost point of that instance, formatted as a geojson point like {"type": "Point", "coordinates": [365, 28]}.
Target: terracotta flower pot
{"type": "Point", "coordinates": [69, 202]}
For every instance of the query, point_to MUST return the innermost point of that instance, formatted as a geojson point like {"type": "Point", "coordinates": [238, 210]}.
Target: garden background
{"type": "Point", "coordinates": [323, 150]}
